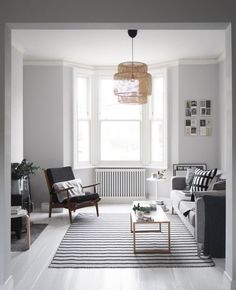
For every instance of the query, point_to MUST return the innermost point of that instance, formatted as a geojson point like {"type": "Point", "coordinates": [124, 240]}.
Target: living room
{"type": "Point", "coordinates": [46, 82]}
{"type": "Point", "coordinates": [48, 90]}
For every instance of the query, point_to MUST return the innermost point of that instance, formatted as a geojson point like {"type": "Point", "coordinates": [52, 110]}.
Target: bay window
{"type": "Point", "coordinates": [109, 133]}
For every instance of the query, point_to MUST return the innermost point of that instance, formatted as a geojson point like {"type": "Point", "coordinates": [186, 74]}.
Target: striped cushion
{"type": "Point", "coordinates": [202, 179]}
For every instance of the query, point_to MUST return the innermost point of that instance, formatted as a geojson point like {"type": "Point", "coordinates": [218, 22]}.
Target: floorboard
{"type": "Point", "coordinates": [30, 269]}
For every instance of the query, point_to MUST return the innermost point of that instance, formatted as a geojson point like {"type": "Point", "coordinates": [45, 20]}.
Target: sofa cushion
{"type": "Point", "coordinates": [189, 207]}
{"type": "Point", "coordinates": [189, 177]}
{"type": "Point", "coordinates": [177, 196]}
{"type": "Point", "coordinates": [202, 179]}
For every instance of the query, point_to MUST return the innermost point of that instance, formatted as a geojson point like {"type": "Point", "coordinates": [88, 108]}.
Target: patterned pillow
{"type": "Point", "coordinates": [202, 179]}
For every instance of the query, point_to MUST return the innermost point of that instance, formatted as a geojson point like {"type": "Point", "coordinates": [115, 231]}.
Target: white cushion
{"type": "Point", "coordinates": [76, 191]}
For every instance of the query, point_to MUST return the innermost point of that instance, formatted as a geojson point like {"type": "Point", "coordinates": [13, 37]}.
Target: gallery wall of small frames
{"type": "Point", "coordinates": [198, 117]}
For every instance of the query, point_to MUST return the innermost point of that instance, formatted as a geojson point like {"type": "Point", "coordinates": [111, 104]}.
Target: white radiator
{"type": "Point", "coordinates": [121, 182]}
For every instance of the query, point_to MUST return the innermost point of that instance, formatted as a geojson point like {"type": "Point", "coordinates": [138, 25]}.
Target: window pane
{"type": "Point", "coordinates": [82, 97]}
{"type": "Point", "coordinates": [158, 98]}
{"type": "Point", "coordinates": [83, 141]}
{"type": "Point", "coordinates": [120, 141]}
{"type": "Point", "coordinates": [111, 109]}
{"type": "Point", "coordinates": [157, 142]}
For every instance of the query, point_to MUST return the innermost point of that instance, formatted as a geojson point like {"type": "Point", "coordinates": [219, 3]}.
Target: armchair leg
{"type": "Point", "coordinates": [70, 215]}
{"type": "Point", "coordinates": [50, 209]}
{"type": "Point", "coordinates": [96, 205]}
{"type": "Point", "coordinates": [172, 210]}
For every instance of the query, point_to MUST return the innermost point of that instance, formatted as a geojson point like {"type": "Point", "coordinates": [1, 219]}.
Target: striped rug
{"type": "Point", "coordinates": [106, 242]}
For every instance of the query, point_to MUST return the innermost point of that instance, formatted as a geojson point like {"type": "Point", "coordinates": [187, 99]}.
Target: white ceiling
{"type": "Point", "coordinates": [109, 47]}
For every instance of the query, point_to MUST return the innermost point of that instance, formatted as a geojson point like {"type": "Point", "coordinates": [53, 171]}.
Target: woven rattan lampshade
{"type": "Point", "coordinates": [132, 82]}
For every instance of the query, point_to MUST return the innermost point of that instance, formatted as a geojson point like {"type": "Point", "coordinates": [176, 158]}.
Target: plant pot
{"type": "Point", "coordinates": [16, 186]}
{"type": "Point", "coordinates": [139, 214]}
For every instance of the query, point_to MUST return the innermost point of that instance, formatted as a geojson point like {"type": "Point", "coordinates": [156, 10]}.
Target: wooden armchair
{"type": "Point", "coordinates": [55, 175]}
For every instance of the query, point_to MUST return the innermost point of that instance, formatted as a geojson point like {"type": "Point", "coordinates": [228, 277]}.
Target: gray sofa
{"type": "Point", "coordinates": [195, 211]}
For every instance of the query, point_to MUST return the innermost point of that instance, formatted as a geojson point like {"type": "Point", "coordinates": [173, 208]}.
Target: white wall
{"type": "Point", "coordinates": [17, 106]}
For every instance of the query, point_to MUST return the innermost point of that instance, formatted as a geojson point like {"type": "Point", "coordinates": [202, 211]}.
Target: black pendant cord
{"type": "Point", "coordinates": [132, 33]}
{"type": "Point", "coordinates": [132, 73]}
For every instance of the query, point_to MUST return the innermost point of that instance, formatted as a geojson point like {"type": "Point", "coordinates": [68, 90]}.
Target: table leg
{"type": "Point", "coordinates": [134, 241]}
{"type": "Point", "coordinates": [28, 239]}
{"type": "Point", "coordinates": [131, 229]}
{"type": "Point", "coordinates": [169, 236]}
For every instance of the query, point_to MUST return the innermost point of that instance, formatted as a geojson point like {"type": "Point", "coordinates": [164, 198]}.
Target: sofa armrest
{"type": "Point", "coordinates": [178, 182]}
{"type": "Point", "coordinates": [199, 220]}
{"type": "Point", "coordinates": [198, 194]}
{"type": "Point", "coordinates": [200, 212]}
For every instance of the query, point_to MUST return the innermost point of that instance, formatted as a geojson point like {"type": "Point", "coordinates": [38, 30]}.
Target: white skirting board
{"type": "Point", "coordinates": [45, 208]}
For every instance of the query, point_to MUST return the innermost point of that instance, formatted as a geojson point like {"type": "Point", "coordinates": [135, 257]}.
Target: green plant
{"type": "Point", "coordinates": [162, 173]}
{"type": "Point", "coordinates": [25, 168]}
{"type": "Point", "coordinates": [138, 207]}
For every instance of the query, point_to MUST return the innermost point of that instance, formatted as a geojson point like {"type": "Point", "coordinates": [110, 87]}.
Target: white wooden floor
{"type": "Point", "coordinates": [30, 269]}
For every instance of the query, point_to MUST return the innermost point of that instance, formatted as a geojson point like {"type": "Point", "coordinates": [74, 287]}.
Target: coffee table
{"type": "Point", "coordinates": [158, 217]}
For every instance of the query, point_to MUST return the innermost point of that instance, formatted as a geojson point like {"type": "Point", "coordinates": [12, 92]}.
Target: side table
{"type": "Point", "coordinates": [156, 181]}
{"type": "Point", "coordinates": [24, 213]}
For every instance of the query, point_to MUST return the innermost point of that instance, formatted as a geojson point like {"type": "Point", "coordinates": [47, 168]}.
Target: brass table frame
{"type": "Point", "coordinates": [134, 221]}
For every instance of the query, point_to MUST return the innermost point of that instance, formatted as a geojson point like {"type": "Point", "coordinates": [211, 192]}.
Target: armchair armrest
{"type": "Point", "coordinates": [91, 185]}
{"type": "Point", "coordinates": [178, 182]}
{"type": "Point", "coordinates": [53, 191]}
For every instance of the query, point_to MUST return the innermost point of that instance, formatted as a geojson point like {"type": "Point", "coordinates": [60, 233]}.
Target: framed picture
{"type": "Point", "coordinates": [197, 121]}
{"type": "Point", "coordinates": [181, 168]}
{"type": "Point", "coordinates": [191, 127]}
{"type": "Point", "coordinates": [191, 108]}
{"type": "Point", "coordinates": [205, 108]}
{"type": "Point", "coordinates": [205, 127]}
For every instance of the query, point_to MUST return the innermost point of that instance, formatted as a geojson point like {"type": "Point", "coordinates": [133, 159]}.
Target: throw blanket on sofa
{"type": "Point", "coordinates": [214, 241]}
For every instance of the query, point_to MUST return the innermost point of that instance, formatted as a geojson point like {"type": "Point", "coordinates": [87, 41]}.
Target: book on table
{"type": "Point", "coordinates": [15, 209]}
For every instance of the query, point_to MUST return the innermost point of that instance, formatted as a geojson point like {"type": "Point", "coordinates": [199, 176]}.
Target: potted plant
{"type": "Point", "coordinates": [139, 211]}
{"type": "Point", "coordinates": [20, 173]}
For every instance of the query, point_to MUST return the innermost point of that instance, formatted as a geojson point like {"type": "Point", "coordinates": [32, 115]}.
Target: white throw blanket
{"type": "Point", "coordinates": [76, 191]}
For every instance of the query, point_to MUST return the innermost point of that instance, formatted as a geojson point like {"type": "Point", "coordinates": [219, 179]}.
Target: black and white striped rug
{"type": "Point", "coordinates": [106, 242]}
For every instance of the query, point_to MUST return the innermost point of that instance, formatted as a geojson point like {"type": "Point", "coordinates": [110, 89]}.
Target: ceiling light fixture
{"type": "Point", "coordinates": [132, 83]}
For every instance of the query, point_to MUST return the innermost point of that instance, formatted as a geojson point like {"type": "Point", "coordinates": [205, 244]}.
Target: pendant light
{"type": "Point", "coordinates": [132, 82]}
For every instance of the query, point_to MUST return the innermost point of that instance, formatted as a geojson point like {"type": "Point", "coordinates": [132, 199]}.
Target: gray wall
{"type": "Point", "coordinates": [48, 121]}
{"type": "Point", "coordinates": [67, 115]}
{"type": "Point", "coordinates": [17, 106]}
{"type": "Point", "coordinates": [43, 122]}
{"type": "Point", "coordinates": [199, 82]}
{"type": "Point", "coordinates": [222, 115]}
{"type": "Point", "coordinates": [168, 14]}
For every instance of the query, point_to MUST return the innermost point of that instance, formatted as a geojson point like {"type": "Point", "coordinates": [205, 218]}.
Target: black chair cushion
{"type": "Point", "coordinates": [82, 198]}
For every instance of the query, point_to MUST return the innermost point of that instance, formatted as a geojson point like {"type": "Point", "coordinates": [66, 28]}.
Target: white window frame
{"type": "Point", "coordinates": [162, 165]}
{"type": "Point", "coordinates": [88, 74]}
{"type": "Point", "coordinates": [99, 121]}
{"type": "Point", "coordinates": [95, 77]}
